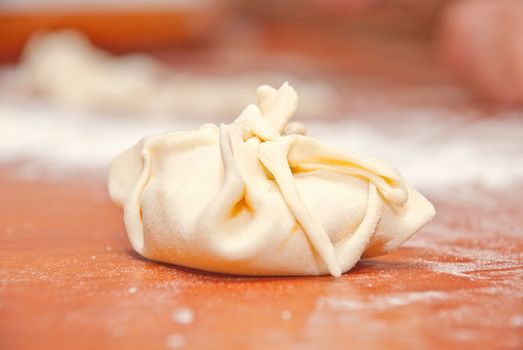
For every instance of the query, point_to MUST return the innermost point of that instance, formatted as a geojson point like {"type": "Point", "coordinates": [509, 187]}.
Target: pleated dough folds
{"type": "Point", "coordinates": [258, 197]}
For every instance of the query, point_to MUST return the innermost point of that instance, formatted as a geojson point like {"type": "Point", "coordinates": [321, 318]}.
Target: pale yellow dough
{"type": "Point", "coordinates": [257, 197]}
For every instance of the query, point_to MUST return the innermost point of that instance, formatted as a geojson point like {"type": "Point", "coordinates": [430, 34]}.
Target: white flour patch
{"type": "Point", "coordinates": [286, 315]}
{"type": "Point", "coordinates": [64, 140]}
{"type": "Point", "coordinates": [516, 321]}
{"type": "Point", "coordinates": [431, 150]}
{"type": "Point", "coordinates": [175, 341]}
{"type": "Point", "coordinates": [381, 302]}
{"type": "Point", "coordinates": [482, 269]}
{"type": "Point", "coordinates": [183, 315]}
{"type": "Point", "coordinates": [452, 247]}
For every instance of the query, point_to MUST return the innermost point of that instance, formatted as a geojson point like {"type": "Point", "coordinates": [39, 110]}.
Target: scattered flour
{"type": "Point", "coordinates": [516, 321]}
{"type": "Point", "coordinates": [175, 341]}
{"type": "Point", "coordinates": [434, 148]}
{"type": "Point", "coordinates": [476, 270]}
{"type": "Point", "coordinates": [381, 302]}
{"type": "Point", "coordinates": [132, 290]}
{"type": "Point", "coordinates": [286, 315]}
{"type": "Point", "coordinates": [431, 150]}
{"type": "Point", "coordinates": [183, 315]}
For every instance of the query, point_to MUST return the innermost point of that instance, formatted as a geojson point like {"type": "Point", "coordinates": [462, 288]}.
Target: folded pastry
{"type": "Point", "coordinates": [258, 197]}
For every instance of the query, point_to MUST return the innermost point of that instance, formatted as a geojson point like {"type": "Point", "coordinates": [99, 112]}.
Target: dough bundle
{"type": "Point", "coordinates": [257, 197]}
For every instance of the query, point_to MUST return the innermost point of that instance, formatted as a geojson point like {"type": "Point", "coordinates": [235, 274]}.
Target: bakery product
{"type": "Point", "coordinates": [257, 197]}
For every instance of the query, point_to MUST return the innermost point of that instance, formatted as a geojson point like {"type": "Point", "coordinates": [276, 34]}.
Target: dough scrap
{"type": "Point", "coordinates": [258, 197]}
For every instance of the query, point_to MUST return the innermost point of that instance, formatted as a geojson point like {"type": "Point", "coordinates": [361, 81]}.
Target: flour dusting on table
{"type": "Point", "coordinates": [432, 149]}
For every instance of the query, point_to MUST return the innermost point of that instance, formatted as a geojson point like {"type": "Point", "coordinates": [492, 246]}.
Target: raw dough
{"type": "Point", "coordinates": [256, 197]}
{"type": "Point", "coordinates": [65, 69]}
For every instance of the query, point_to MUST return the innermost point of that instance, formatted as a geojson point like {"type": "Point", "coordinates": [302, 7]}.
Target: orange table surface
{"type": "Point", "coordinates": [70, 280]}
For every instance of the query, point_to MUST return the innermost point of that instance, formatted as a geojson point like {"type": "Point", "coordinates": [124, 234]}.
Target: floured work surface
{"type": "Point", "coordinates": [69, 279]}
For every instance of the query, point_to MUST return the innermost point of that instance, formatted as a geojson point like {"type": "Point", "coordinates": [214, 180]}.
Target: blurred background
{"type": "Point", "coordinates": [434, 86]}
